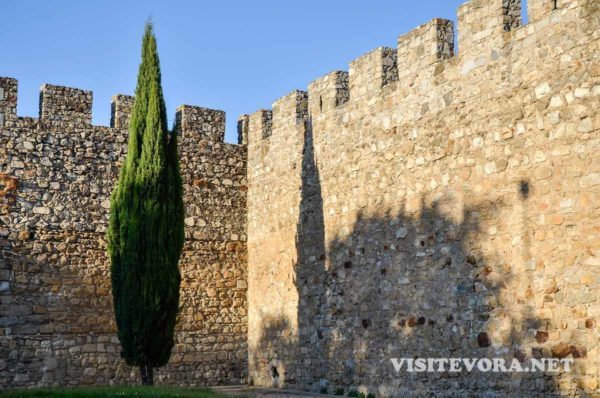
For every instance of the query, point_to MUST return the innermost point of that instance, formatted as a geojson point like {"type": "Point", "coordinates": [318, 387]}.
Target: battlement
{"type": "Point", "coordinates": [260, 125]}
{"type": "Point", "coordinates": [328, 92]}
{"type": "Point", "coordinates": [424, 47]}
{"type": "Point", "coordinates": [121, 109]}
{"type": "Point", "coordinates": [482, 22]}
{"type": "Point", "coordinates": [425, 58]}
{"type": "Point", "coordinates": [242, 129]}
{"type": "Point", "coordinates": [60, 104]}
{"type": "Point", "coordinates": [369, 73]}
{"type": "Point", "coordinates": [69, 107]}
{"type": "Point", "coordinates": [8, 99]}
{"type": "Point", "coordinates": [205, 123]}
{"type": "Point", "coordinates": [538, 9]}
{"type": "Point", "coordinates": [290, 109]}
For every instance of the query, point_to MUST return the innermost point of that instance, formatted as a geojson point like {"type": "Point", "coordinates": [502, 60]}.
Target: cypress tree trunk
{"type": "Point", "coordinates": [145, 235]}
{"type": "Point", "coordinates": [143, 375]}
{"type": "Point", "coordinates": [150, 375]}
{"type": "Point", "coordinates": [147, 375]}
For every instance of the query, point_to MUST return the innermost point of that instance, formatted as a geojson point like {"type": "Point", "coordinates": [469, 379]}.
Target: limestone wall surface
{"type": "Point", "coordinates": [434, 202]}
{"type": "Point", "coordinates": [438, 199]}
{"type": "Point", "coordinates": [57, 171]}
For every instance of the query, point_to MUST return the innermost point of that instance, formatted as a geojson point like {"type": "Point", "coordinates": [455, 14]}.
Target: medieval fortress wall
{"type": "Point", "coordinates": [428, 203]}
{"type": "Point", "coordinates": [56, 317]}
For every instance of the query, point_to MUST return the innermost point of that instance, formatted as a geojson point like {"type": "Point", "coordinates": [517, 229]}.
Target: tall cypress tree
{"type": "Point", "coordinates": [145, 235]}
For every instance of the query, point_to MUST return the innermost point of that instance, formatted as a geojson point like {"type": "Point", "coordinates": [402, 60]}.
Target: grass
{"type": "Point", "coordinates": [113, 392]}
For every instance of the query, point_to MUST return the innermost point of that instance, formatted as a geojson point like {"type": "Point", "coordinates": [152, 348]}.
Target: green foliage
{"type": "Point", "coordinates": [370, 395]}
{"type": "Point", "coordinates": [339, 391]}
{"type": "Point", "coordinates": [353, 393]}
{"type": "Point", "coordinates": [110, 392]}
{"type": "Point", "coordinates": [323, 390]}
{"type": "Point", "coordinates": [145, 235]}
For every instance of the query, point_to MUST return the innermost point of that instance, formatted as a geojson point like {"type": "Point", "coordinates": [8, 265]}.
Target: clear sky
{"type": "Point", "coordinates": [238, 56]}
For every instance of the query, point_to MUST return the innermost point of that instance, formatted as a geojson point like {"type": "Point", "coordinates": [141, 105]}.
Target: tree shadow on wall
{"type": "Point", "coordinates": [421, 287]}
{"type": "Point", "coordinates": [432, 284]}
{"type": "Point", "coordinates": [421, 284]}
{"type": "Point", "coordinates": [311, 274]}
{"type": "Point", "coordinates": [294, 353]}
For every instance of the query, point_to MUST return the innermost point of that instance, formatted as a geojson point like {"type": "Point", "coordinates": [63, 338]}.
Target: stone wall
{"type": "Point", "coordinates": [432, 201]}
{"type": "Point", "coordinates": [433, 204]}
{"type": "Point", "coordinates": [56, 175]}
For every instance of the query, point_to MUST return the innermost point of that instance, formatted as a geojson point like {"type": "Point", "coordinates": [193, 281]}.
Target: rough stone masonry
{"type": "Point", "coordinates": [56, 317]}
{"type": "Point", "coordinates": [429, 202]}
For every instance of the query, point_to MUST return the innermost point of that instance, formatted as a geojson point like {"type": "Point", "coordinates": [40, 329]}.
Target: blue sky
{"type": "Point", "coordinates": [238, 56]}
